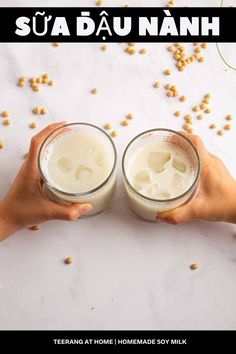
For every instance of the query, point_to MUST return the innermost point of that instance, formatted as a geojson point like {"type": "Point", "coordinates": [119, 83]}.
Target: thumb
{"type": "Point", "coordinates": [68, 212]}
{"type": "Point", "coordinates": [177, 216]}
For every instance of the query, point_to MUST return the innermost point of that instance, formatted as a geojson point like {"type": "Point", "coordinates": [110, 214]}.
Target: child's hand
{"type": "Point", "coordinates": [25, 203]}
{"type": "Point", "coordinates": [215, 199]}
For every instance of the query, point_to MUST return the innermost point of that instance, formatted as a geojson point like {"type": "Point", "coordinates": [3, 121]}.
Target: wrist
{"type": "Point", "coordinates": [7, 225]}
{"type": "Point", "coordinates": [229, 204]}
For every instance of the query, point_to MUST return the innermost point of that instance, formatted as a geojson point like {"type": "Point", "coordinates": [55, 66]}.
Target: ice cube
{"type": "Point", "coordinates": [164, 195]}
{"type": "Point", "coordinates": [83, 173]}
{"type": "Point", "coordinates": [156, 193]}
{"type": "Point", "coordinates": [153, 191]}
{"type": "Point", "coordinates": [157, 160]}
{"type": "Point", "coordinates": [64, 164]}
{"type": "Point", "coordinates": [100, 159]}
{"type": "Point", "coordinates": [179, 165]}
{"type": "Point", "coordinates": [179, 182]}
{"type": "Point", "coordinates": [142, 179]}
{"type": "Point", "coordinates": [85, 151]}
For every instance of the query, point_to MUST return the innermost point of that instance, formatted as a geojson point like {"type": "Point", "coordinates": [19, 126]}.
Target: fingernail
{"type": "Point", "coordinates": [85, 208]}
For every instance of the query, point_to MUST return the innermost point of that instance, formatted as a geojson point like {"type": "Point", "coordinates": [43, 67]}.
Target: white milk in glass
{"type": "Point", "coordinates": [78, 167]}
{"type": "Point", "coordinates": [159, 173]}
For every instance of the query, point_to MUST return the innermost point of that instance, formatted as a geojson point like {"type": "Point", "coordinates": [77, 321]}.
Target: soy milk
{"type": "Point", "coordinates": [159, 175]}
{"type": "Point", "coordinates": [78, 163]}
{"type": "Point", "coordinates": [160, 171]}
{"type": "Point", "coordinates": [77, 166]}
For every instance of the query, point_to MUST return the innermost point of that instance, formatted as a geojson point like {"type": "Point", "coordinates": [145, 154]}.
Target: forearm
{"type": "Point", "coordinates": [7, 225]}
{"type": "Point", "coordinates": [228, 205]}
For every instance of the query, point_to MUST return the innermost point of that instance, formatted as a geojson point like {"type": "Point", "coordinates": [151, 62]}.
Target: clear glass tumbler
{"type": "Point", "coordinates": [100, 196]}
{"type": "Point", "coordinates": [148, 208]}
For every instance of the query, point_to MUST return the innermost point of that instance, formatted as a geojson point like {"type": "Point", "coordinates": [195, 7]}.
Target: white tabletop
{"type": "Point", "coordinates": [127, 274]}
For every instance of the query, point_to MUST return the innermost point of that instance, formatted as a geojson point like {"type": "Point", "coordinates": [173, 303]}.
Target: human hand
{"type": "Point", "coordinates": [25, 204]}
{"type": "Point", "coordinates": [215, 199]}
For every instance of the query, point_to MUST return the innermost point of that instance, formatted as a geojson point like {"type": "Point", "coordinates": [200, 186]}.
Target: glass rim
{"type": "Point", "coordinates": [91, 191]}
{"type": "Point", "coordinates": [161, 200]}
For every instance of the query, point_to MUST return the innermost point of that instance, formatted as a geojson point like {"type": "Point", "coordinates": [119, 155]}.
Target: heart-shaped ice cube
{"type": "Point", "coordinates": [157, 160]}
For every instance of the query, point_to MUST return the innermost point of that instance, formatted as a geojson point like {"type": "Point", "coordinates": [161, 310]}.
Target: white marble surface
{"type": "Point", "coordinates": [127, 274]}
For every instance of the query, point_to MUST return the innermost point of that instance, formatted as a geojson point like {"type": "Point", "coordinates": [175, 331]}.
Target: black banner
{"type": "Point", "coordinates": [117, 24]}
{"type": "Point", "coordinates": [118, 341]}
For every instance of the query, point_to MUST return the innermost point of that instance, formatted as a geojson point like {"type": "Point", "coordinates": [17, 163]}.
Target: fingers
{"type": "Point", "coordinates": [194, 139]}
{"type": "Point", "coordinates": [197, 142]}
{"type": "Point", "coordinates": [67, 212]}
{"type": "Point", "coordinates": [177, 216]}
{"type": "Point", "coordinates": [36, 142]}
